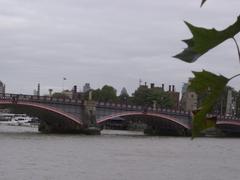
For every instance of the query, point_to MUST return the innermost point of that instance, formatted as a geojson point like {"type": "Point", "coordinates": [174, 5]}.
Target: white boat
{"type": "Point", "coordinates": [15, 119]}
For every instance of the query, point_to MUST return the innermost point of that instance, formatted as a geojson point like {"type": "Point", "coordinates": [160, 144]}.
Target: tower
{"type": "Point", "coordinates": [38, 89]}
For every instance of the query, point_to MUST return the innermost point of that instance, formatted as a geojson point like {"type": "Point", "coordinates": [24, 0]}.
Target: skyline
{"type": "Point", "coordinates": [108, 42]}
{"type": "Point", "coordinates": [166, 88]}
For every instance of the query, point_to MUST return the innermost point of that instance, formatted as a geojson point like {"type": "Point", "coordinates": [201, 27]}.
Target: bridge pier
{"type": "Point", "coordinates": [57, 125]}
{"type": "Point", "coordinates": [89, 117]}
{"type": "Point", "coordinates": [46, 127]}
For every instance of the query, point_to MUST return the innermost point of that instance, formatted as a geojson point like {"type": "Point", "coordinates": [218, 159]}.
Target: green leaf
{"type": "Point", "coordinates": [210, 86]}
{"type": "Point", "coordinates": [205, 39]}
{"type": "Point", "coordinates": [203, 1]}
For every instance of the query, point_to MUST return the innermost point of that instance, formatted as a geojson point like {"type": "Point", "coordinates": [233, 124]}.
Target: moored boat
{"type": "Point", "coordinates": [15, 119]}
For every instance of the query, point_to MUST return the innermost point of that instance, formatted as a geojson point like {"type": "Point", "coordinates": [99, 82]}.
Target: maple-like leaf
{"type": "Point", "coordinates": [205, 39]}
{"type": "Point", "coordinates": [211, 86]}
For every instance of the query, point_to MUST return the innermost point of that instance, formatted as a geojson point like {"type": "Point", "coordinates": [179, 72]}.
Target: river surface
{"type": "Point", "coordinates": [116, 155]}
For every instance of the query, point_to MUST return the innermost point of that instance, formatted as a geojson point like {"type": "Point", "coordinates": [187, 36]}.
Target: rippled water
{"type": "Point", "coordinates": [115, 155]}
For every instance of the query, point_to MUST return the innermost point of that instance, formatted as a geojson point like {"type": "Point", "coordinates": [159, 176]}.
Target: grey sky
{"type": "Point", "coordinates": [102, 42]}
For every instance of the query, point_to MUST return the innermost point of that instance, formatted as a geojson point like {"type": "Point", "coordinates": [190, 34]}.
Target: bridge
{"type": "Point", "coordinates": [77, 116]}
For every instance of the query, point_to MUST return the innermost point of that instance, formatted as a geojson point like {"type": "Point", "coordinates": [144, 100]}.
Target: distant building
{"type": "Point", "coordinates": [86, 87]}
{"type": "Point", "coordinates": [171, 93]}
{"type": "Point", "coordinates": [38, 89]}
{"type": "Point", "coordinates": [2, 88]}
{"type": "Point", "coordinates": [74, 92]}
{"type": "Point", "coordinates": [124, 92]}
{"type": "Point", "coordinates": [189, 100]}
{"type": "Point", "coordinates": [231, 103]}
{"type": "Point", "coordinates": [68, 93]}
{"type": "Point", "coordinates": [184, 87]}
{"type": "Point", "coordinates": [50, 92]}
{"type": "Point", "coordinates": [36, 92]}
{"type": "Point", "coordinates": [174, 96]}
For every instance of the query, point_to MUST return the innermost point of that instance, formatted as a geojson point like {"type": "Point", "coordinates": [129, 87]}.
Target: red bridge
{"type": "Point", "coordinates": [75, 116]}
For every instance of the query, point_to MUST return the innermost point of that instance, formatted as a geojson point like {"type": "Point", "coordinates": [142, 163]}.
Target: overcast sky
{"type": "Point", "coordinates": [114, 42]}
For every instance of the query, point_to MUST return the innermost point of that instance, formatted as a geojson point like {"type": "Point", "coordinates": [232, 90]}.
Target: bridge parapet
{"type": "Point", "coordinates": [228, 118]}
{"type": "Point", "coordinates": [40, 99]}
{"type": "Point", "coordinates": [110, 105]}
{"type": "Point", "coordinates": [130, 107]}
{"type": "Point", "coordinates": [118, 107]}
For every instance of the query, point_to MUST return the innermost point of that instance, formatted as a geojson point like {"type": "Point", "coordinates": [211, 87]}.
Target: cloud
{"type": "Point", "coordinates": [104, 41]}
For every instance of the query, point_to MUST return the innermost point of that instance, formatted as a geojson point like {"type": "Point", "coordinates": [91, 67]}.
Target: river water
{"type": "Point", "coordinates": [116, 155]}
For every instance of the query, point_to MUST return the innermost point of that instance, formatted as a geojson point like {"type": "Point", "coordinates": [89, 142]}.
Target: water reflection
{"type": "Point", "coordinates": [115, 155]}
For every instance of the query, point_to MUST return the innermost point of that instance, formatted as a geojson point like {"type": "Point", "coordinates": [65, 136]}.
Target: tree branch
{"type": "Point", "coordinates": [237, 48]}
{"type": "Point", "coordinates": [203, 1]}
{"type": "Point", "coordinates": [234, 76]}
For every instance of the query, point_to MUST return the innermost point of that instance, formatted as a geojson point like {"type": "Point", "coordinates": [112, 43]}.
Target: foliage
{"type": "Point", "coordinates": [146, 96]}
{"type": "Point", "coordinates": [107, 93]}
{"type": "Point", "coordinates": [60, 95]}
{"type": "Point", "coordinates": [204, 82]}
{"type": "Point", "coordinates": [140, 95]}
{"type": "Point", "coordinates": [96, 94]}
{"type": "Point", "coordinates": [205, 39]}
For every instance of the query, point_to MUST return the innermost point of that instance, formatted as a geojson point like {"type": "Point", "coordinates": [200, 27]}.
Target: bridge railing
{"type": "Point", "coordinates": [42, 99]}
{"type": "Point", "coordinates": [175, 112]}
{"type": "Point", "coordinates": [109, 105]}
{"type": "Point", "coordinates": [227, 118]}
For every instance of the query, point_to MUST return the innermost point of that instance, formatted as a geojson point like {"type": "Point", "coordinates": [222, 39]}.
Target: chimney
{"type": "Point", "coordinates": [74, 89]}
{"type": "Point", "coordinates": [145, 84]}
{"type": "Point", "coordinates": [152, 85]}
{"type": "Point", "coordinates": [169, 88]}
{"type": "Point", "coordinates": [163, 87]}
{"type": "Point", "coordinates": [173, 88]}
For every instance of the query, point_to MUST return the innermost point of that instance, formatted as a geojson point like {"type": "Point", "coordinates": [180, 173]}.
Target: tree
{"type": "Point", "coordinates": [96, 94]}
{"type": "Point", "coordinates": [60, 95]}
{"type": "Point", "coordinates": [207, 83]}
{"type": "Point", "coordinates": [140, 96]}
{"type": "Point", "coordinates": [106, 94]}
{"type": "Point", "coordinates": [147, 96]}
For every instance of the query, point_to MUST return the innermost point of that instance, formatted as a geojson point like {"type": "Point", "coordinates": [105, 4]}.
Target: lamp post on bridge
{"type": "Point", "coordinates": [50, 92]}
{"type": "Point", "coordinates": [126, 103]}
{"type": "Point", "coordinates": [154, 105]}
{"type": "Point", "coordinates": [64, 79]}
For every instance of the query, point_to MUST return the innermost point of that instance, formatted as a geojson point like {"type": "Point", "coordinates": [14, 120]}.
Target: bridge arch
{"type": "Point", "coordinates": [151, 119]}
{"type": "Point", "coordinates": [52, 119]}
{"type": "Point", "coordinates": [229, 127]}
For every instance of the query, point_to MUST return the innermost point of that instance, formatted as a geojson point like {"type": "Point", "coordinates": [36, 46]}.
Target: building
{"type": "Point", "coordinates": [230, 103]}
{"type": "Point", "coordinates": [124, 92]}
{"type": "Point", "coordinates": [86, 87]}
{"type": "Point", "coordinates": [36, 92]}
{"type": "Point", "coordinates": [189, 100]}
{"type": "Point", "coordinates": [171, 94]}
{"type": "Point", "coordinates": [174, 96]}
{"type": "Point", "coordinates": [2, 88]}
{"type": "Point", "coordinates": [68, 93]}
{"type": "Point", "coordinates": [71, 94]}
